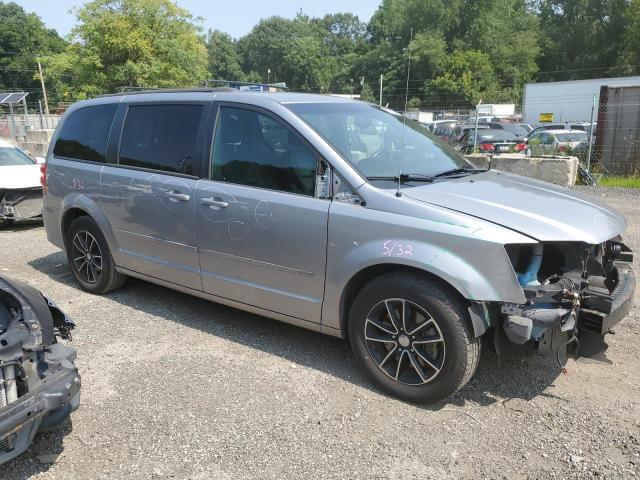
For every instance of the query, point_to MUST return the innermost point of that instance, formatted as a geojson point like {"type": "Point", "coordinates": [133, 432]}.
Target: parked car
{"type": "Point", "coordinates": [392, 239]}
{"type": "Point", "coordinates": [457, 133]}
{"type": "Point", "coordinates": [20, 189]}
{"type": "Point", "coordinates": [520, 130]}
{"type": "Point", "coordinates": [552, 142]}
{"type": "Point", "coordinates": [442, 125]}
{"type": "Point", "coordinates": [482, 119]}
{"type": "Point", "coordinates": [490, 140]}
{"type": "Point", "coordinates": [559, 126]}
{"type": "Point", "coordinates": [39, 384]}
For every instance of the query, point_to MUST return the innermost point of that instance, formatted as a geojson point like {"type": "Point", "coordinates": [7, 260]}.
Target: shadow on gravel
{"type": "Point", "coordinates": [20, 226]}
{"type": "Point", "coordinates": [47, 449]}
{"type": "Point", "coordinates": [496, 380]}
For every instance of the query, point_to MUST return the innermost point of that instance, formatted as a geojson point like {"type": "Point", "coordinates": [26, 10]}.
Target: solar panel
{"type": "Point", "coordinates": [14, 97]}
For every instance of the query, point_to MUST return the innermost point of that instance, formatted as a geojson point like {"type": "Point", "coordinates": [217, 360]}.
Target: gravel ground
{"type": "Point", "coordinates": [177, 387]}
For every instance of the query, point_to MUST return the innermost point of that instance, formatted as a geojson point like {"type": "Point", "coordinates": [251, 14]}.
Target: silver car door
{"type": "Point", "coordinates": [261, 230]}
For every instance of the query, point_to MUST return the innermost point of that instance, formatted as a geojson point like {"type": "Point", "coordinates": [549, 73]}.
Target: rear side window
{"type": "Point", "coordinates": [85, 132]}
{"type": "Point", "coordinates": [161, 137]}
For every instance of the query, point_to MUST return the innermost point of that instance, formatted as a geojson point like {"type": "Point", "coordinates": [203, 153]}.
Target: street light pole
{"type": "Point", "coordinates": [380, 90]}
{"type": "Point", "coordinates": [268, 75]}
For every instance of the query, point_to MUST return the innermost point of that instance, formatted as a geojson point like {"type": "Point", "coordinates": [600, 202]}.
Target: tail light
{"type": "Point", "coordinates": [43, 176]}
{"type": "Point", "coordinates": [445, 138]}
{"type": "Point", "coordinates": [487, 147]}
{"type": "Point", "coordinates": [520, 146]}
{"type": "Point", "coordinates": [562, 148]}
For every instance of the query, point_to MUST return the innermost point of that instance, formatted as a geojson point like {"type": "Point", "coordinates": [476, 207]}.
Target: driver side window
{"type": "Point", "coordinates": [258, 151]}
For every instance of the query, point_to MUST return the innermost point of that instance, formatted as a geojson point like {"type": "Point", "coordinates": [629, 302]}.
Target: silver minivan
{"type": "Point", "coordinates": [337, 216]}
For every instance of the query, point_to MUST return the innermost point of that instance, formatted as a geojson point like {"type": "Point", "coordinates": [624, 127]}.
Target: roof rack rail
{"type": "Point", "coordinates": [168, 90]}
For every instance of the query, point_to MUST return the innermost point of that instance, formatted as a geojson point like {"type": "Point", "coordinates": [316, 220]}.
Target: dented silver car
{"type": "Point", "coordinates": [39, 384]}
{"type": "Point", "coordinates": [337, 216]}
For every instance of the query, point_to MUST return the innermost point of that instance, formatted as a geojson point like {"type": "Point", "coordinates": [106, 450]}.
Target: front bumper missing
{"type": "Point", "coordinates": [21, 204]}
{"type": "Point", "coordinates": [43, 408]}
{"type": "Point", "coordinates": [545, 329]}
{"type": "Point", "coordinates": [602, 312]}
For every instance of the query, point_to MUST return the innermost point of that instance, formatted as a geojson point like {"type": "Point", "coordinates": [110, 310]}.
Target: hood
{"type": "Point", "coordinates": [19, 176]}
{"type": "Point", "coordinates": [534, 208]}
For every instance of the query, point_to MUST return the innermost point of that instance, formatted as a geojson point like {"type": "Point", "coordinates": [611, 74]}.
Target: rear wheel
{"type": "Point", "coordinates": [413, 337]}
{"type": "Point", "coordinates": [90, 259]}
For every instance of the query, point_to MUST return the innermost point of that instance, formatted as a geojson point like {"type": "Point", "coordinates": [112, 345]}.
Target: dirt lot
{"type": "Point", "coordinates": [177, 387]}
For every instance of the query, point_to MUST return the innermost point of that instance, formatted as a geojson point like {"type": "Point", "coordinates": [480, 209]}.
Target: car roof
{"type": "Point", "coordinates": [224, 94]}
{"type": "Point", "coordinates": [562, 130]}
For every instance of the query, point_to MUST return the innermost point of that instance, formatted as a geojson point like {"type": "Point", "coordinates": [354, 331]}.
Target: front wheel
{"type": "Point", "coordinates": [413, 337]}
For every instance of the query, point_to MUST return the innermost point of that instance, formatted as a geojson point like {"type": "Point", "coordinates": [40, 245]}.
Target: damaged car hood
{"type": "Point", "coordinates": [538, 209]}
{"type": "Point", "coordinates": [19, 176]}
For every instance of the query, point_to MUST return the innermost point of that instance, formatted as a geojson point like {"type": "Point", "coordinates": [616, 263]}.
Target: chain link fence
{"type": "Point", "coordinates": [16, 126]}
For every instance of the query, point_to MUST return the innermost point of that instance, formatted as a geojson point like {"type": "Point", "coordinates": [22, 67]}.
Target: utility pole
{"type": "Point", "coordinates": [590, 139]}
{"type": "Point", "coordinates": [44, 90]}
{"type": "Point", "coordinates": [362, 91]}
{"type": "Point", "coordinates": [380, 90]}
{"type": "Point", "coordinates": [475, 136]}
{"type": "Point", "coordinates": [268, 75]}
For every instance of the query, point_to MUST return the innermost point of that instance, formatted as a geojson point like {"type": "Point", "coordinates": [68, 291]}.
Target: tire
{"type": "Point", "coordinates": [436, 337]}
{"type": "Point", "coordinates": [99, 277]}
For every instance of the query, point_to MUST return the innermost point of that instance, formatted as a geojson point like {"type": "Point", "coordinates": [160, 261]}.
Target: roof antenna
{"type": "Point", "coordinates": [404, 115]}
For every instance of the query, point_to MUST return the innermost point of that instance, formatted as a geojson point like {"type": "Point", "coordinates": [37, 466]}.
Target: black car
{"type": "Point", "coordinates": [39, 384]}
{"type": "Point", "coordinates": [490, 140]}
{"type": "Point", "coordinates": [520, 130]}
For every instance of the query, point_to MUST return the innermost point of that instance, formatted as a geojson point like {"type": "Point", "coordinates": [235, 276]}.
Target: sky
{"type": "Point", "coordinates": [237, 19]}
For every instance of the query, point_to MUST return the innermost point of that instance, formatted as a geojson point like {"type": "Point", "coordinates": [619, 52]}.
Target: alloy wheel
{"type": "Point", "coordinates": [404, 341]}
{"type": "Point", "coordinates": [87, 256]}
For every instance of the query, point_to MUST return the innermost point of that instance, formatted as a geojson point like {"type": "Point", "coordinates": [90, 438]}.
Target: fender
{"type": "Point", "coordinates": [463, 255]}
{"type": "Point", "coordinates": [82, 201]}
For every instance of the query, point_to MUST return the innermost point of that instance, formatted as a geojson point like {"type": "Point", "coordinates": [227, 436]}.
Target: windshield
{"type": "Point", "coordinates": [10, 156]}
{"type": "Point", "coordinates": [518, 130]}
{"type": "Point", "coordinates": [371, 139]}
{"type": "Point", "coordinates": [571, 137]}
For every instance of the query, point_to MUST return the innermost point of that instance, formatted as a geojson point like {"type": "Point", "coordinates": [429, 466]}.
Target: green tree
{"type": "Point", "coordinates": [23, 38]}
{"type": "Point", "coordinates": [293, 50]}
{"type": "Point", "coordinates": [508, 32]}
{"type": "Point", "coordinates": [224, 61]}
{"type": "Point", "coordinates": [467, 75]}
{"type": "Point", "coordinates": [581, 38]}
{"type": "Point", "coordinates": [629, 58]}
{"type": "Point", "coordinates": [131, 43]}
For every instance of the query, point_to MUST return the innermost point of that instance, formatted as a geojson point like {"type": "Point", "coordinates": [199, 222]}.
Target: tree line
{"type": "Point", "coordinates": [461, 51]}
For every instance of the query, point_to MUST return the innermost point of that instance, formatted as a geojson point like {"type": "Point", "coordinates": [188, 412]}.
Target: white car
{"type": "Point", "coordinates": [553, 142]}
{"type": "Point", "coordinates": [20, 187]}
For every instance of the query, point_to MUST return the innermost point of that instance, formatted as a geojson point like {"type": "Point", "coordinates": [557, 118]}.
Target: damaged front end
{"type": "Point", "coordinates": [20, 204]}
{"type": "Point", "coordinates": [575, 294]}
{"type": "Point", "coordinates": [39, 383]}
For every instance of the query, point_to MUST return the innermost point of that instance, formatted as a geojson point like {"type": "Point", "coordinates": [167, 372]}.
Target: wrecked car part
{"type": "Point", "coordinates": [21, 204]}
{"type": "Point", "coordinates": [578, 291]}
{"type": "Point", "coordinates": [39, 384]}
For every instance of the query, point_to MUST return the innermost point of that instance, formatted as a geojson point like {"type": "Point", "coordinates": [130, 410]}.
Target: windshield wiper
{"type": "Point", "coordinates": [458, 171]}
{"type": "Point", "coordinates": [414, 177]}
{"type": "Point", "coordinates": [419, 177]}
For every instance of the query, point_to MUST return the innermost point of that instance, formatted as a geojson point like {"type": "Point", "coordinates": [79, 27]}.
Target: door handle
{"type": "Point", "coordinates": [212, 202]}
{"type": "Point", "coordinates": [175, 196]}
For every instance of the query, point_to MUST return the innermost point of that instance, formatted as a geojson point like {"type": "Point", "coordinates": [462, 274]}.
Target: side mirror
{"type": "Point", "coordinates": [39, 160]}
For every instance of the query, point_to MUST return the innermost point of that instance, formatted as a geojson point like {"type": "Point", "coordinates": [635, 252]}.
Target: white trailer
{"type": "Point", "coordinates": [419, 116]}
{"type": "Point", "coordinates": [559, 102]}
{"type": "Point", "coordinates": [495, 110]}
